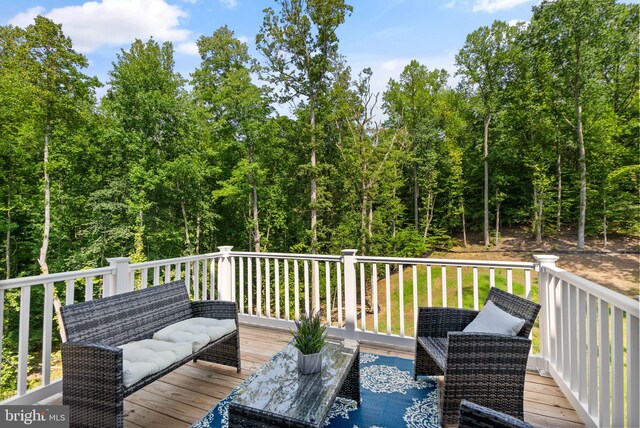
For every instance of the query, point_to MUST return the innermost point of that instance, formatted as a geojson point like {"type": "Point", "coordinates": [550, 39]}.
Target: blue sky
{"type": "Point", "coordinates": [382, 34]}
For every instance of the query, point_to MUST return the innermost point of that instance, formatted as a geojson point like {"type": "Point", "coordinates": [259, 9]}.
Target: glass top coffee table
{"type": "Point", "coordinates": [279, 395]}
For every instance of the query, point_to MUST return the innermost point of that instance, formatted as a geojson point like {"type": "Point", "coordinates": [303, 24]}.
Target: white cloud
{"type": "Point", "coordinates": [230, 4]}
{"type": "Point", "coordinates": [491, 6]}
{"type": "Point", "coordinates": [188, 48]}
{"type": "Point", "coordinates": [114, 22]}
{"type": "Point", "coordinates": [24, 19]}
{"type": "Point", "coordinates": [244, 39]}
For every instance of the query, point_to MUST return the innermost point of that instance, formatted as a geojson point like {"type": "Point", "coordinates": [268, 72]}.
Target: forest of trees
{"type": "Point", "coordinates": [542, 132]}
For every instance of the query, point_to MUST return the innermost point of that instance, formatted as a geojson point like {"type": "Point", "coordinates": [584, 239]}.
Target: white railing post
{"type": "Point", "coordinates": [224, 274]}
{"type": "Point", "coordinates": [543, 293]}
{"type": "Point", "coordinates": [120, 282]}
{"type": "Point", "coordinates": [350, 292]}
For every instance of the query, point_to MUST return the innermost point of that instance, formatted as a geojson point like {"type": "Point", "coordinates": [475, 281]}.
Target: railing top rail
{"type": "Point", "coordinates": [446, 262]}
{"type": "Point", "coordinates": [154, 263]}
{"type": "Point", "coordinates": [290, 256]}
{"type": "Point", "coordinates": [6, 284]}
{"type": "Point", "coordinates": [614, 298]}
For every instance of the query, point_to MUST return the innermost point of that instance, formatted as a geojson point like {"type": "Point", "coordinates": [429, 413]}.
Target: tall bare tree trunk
{"type": "Point", "coordinates": [42, 260]}
{"type": "Point", "coordinates": [604, 222]}
{"type": "Point", "coordinates": [536, 222]}
{"type": "Point", "coordinates": [559, 180]}
{"type": "Point", "coordinates": [497, 220]}
{"type": "Point", "coordinates": [430, 211]}
{"type": "Point", "coordinates": [254, 206]}
{"type": "Point", "coordinates": [583, 173]}
{"type": "Point", "coordinates": [540, 219]}
{"type": "Point", "coordinates": [7, 248]}
{"type": "Point", "coordinates": [464, 226]}
{"type": "Point", "coordinates": [370, 228]}
{"type": "Point", "coordinates": [363, 221]}
{"type": "Point", "coordinates": [187, 241]}
{"type": "Point", "coordinates": [314, 189]}
{"type": "Point", "coordinates": [416, 196]}
{"type": "Point", "coordinates": [198, 219]}
{"type": "Point", "coordinates": [487, 120]}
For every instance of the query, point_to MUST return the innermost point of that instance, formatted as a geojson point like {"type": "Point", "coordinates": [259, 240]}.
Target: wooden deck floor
{"type": "Point", "coordinates": [184, 396]}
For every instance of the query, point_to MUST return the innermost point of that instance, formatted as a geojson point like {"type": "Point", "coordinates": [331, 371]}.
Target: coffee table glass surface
{"type": "Point", "coordinates": [279, 395]}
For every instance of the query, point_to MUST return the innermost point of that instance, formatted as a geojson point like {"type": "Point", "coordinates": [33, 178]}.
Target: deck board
{"type": "Point", "coordinates": [185, 395]}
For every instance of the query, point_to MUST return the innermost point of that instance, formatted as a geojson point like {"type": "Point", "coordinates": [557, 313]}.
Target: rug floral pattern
{"type": "Point", "coordinates": [389, 398]}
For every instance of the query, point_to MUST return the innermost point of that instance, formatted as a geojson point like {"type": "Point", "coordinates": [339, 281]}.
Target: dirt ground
{"type": "Point", "coordinates": [616, 267]}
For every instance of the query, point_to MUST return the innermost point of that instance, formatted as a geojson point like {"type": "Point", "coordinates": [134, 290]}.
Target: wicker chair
{"type": "Point", "coordinates": [486, 368]}
{"type": "Point", "coordinates": [475, 416]}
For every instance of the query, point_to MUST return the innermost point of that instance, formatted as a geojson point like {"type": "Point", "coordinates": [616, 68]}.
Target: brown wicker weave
{"type": "Point", "coordinates": [475, 416]}
{"type": "Point", "coordinates": [488, 369]}
{"type": "Point", "coordinates": [92, 383]}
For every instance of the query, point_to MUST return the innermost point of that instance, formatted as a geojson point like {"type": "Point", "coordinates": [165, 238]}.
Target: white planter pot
{"type": "Point", "coordinates": [311, 363]}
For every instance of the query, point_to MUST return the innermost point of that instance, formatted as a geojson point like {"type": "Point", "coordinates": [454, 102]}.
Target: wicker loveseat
{"type": "Point", "coordinates": [94, 332]}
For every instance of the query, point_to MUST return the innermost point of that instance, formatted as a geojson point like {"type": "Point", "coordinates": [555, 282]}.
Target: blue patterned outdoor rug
{"type": "Point", "coordinates": [389, 397]}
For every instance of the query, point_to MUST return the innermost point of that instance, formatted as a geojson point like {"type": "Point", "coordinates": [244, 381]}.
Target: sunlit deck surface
{"type": "Point", "coordinates": [184, 396]}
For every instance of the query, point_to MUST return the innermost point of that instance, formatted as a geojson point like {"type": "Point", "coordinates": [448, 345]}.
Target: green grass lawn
{"type": "Point", "coordinates": [518, 282]}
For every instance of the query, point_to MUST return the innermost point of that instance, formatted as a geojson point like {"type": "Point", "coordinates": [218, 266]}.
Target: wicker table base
{"type": "Point", "coordinates": [279, 396]}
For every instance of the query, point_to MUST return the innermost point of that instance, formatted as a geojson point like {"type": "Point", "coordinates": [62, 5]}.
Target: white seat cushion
{"type": "Point", "coordinates": [148, 356]}
{"type": "Point", "coordinates": [196, 331]}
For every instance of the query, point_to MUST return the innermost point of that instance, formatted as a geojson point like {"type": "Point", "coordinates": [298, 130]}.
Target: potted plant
{"type": "Point", "coordinates": [309, 339]}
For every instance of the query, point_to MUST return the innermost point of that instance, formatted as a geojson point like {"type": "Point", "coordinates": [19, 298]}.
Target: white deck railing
{"type": "Point", "coordinates": [373, 299]}
{"type": "Point", "coordinates": [586, 349]}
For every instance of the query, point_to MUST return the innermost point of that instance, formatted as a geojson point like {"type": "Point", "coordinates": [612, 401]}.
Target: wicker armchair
{"type": "Point", "coordinates": [475, 416]}
{"type": "Point", "coordinates": [484, 367]}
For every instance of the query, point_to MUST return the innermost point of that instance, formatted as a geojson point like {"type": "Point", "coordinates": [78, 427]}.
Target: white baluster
{"type": "Point", "coordinates": [429, 287]}
{"type": "Point", "coordinates": [47, 334]}
{"type": "Point", "coordinates": [296, 288]}
{"type": "Point", "coordinates": [388, 291]}
{"type": "Point", "coordinates": [401, 297]}
{"type": "Point", "coordinates": [23, 339]}
{"type": "Point", "coordinates": [604, 355]}
{"type": "Point", "coordinates": [476, 299]}
{"type": "Point", "coordinates": [287, 303]}
{"type": "Point", "coordinates": [374, 295]}
{"type": "Point", "coordinates": [327, 285]}
{"type": "Point", "coordinates": [88, 289]}
{"type": "Point", "coordinates": [459, 282]}
{"type": "Point", "coordinates": [306, 287]}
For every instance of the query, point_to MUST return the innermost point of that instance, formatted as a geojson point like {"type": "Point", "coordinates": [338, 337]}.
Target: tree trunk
{"type": "Point", "coordinates": [464, 226]}
{"type": "Point", "coordinates": [559, 179]}
{"type": "Point", "coordinates": [187, 241]}
{"type": "Point", "coordinates": [314, 190]}
{"type": "Point", "coordinates": [416, 193]}
{"type": "Point", "coordinates": [254, 205]}
{"type": "Point", "coordinates": [497, 222]}
{"type": "Point", "coordinates": [487, 120]}
{"type": "Point", "coordinates": [42, 260]}
{"type": "Point", "coordinates": [198, 234]}
{"type": "Point", "coordinates": [536, 223]}
{"type": "Point", "coordinates": [363, 221]}
{"type": "Point", "coordinates": [604, 223]}
{"type": "Point", "coordinates": [7, 248]}
{"type": "Point", "coordinates": [540, 220]}
{"type": "Point", "coordinates": [430, 211]}
{"type": "Point", "coordinates": [370, 228]}
{"type": "Point", "coordinates": [583, 174]}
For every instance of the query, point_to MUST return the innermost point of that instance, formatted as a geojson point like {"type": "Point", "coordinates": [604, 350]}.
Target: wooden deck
{"type": "Point", "coordinates": [184, 396]}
